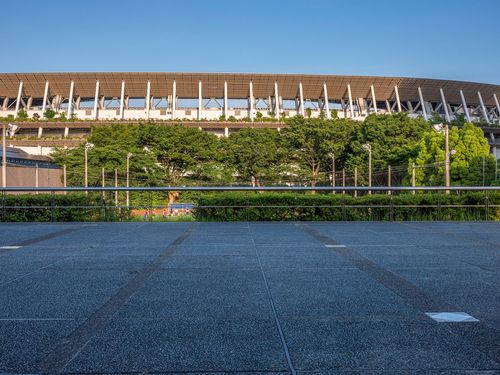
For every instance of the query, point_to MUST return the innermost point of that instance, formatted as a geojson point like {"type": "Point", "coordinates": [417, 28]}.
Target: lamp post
{"type": "Point", "coordinates": [129, 155]}
{"type": "Point", "coordinates": [368, 148]}
{"type": "Point", "coordinates": [332, 155]}
{"type": "Point", "coordinates": [4, 157]}
{"type": "Point", "coordinates": [88, 146]}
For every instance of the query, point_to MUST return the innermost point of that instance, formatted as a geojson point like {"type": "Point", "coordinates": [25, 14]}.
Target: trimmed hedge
{"type": "Point", "coordinates": [56, 207]}
{"type": "Point", "coordinates": [271, 206]}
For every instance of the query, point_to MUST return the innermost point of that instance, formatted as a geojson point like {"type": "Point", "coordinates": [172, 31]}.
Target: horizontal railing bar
{"type": "Point", "coordinates": [250, 188]}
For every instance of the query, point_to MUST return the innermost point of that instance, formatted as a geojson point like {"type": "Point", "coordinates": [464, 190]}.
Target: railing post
{"type": "Point", "coordinates": [52, 207]}
{"type": "Point", "coordinates": [391, 209]}
{"type": "Point", "coordinates": [3, 206]}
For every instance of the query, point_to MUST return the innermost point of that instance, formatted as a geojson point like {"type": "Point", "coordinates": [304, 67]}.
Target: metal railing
{"type": "Point", "coordinates": [103, 206]}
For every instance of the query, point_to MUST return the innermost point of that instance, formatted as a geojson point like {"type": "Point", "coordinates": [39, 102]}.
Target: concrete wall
{"type": "Point", "coordinates": [25, 177]}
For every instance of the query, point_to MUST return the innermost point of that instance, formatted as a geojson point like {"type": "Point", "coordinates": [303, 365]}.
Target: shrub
{"type": "Point", "coordinates": [273, 206]}
{"type": "Point", "coordinates": [56, 207]}
{"type": "Point", "coordinates": [49, 113]}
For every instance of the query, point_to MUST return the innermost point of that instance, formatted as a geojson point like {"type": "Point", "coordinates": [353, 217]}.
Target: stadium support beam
{"type": "Point", "coordinates": [226, 111]}
{"type": "Point", "coordinates": [325, 98]}
{"type": "Point", "coordinates": [200, 101]}
{"type": "Point", "coordinates": [497, 103]}
{"type": "Point", "coordinates": [422, 103]}
{"type": "Point", "coordinates": [445, 105]}
{"type": "Point", "coordinates": [18, 100]}
{"type": "Point", "coordinates": [122, 100]}
{"type": "Point", "coordinates": [148, 99]}
{"type": "Point", "coordinates": [174, 98]}
{"type": "Point", "coordinates": [398, 100]}
{"type": "Point", "coordinates": [301, 99]}
{"type": "Point", "coordinates": [276, 100]}
{"type": "Point", "coordinates": [251, 100]}
{"type": "Point", "coordinates": [483, 107]}
{"type": "Point", "coordinates": [464, 104]}
{"type": "Point", "coordinates": [70, 99]}
{"type": "Point", "coordinates": [96, 100]}
{"type": "Point", "coordinates": [45, 97]}
{"type": "Point", "coordinates": [349, 93]}
{"type": "Point", "coordinates": [374, 99]}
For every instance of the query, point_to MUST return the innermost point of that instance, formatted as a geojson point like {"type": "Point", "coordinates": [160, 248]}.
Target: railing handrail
{"type": "Point", "coordinates": [251, 188]}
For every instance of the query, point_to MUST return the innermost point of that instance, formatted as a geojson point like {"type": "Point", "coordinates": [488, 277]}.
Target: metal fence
{"type": "Point", "coordinates": [108, 203]}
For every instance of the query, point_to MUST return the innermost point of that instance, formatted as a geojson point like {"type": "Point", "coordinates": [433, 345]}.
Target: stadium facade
{"type": "Point", "coordinates": [215, 96]}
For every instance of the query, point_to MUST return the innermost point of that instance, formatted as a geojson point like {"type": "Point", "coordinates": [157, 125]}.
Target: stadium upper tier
{"type": "Point", "coordinates": [200, 96]}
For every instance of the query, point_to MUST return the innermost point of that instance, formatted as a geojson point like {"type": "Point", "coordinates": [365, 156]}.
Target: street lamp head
{"type": "Point", "coordinates": [453, 152]}
{"type": "Point", "coordinates": [88, 146]}
{"type": "Point", "coordinates": [331, 155]}
{"type": "Point", "coordinates": [367, 147]}
{"type": "Point", "coordinates": [129, 155]}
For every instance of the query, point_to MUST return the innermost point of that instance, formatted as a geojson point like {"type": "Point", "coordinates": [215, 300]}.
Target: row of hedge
{"type": "Point", "coordinates": [56, 207]}
{"type": "Point", "coordinates": [270, 206]}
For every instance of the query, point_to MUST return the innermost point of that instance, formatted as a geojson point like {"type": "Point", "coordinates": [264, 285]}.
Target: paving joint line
{"type": "Point", "coordinates": [481, 336]}
{"type": "Point", "coordinates": [273, 307]}
{"type": "Point", "coordinates": [70, 346]}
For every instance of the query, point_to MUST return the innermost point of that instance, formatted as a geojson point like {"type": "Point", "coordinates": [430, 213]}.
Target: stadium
{"type": "Point", "coordinates": [212, 96]}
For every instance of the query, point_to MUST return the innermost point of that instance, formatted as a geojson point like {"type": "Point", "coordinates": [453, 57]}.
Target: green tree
{"type": "Point", "coordinates": [179, 149]}
{"type": "Point", "coordinates": [312, 140]}
{"type": "Point", "coordinates": [254, 153]}
{"type": "Point", "coordinates": [468, 148]}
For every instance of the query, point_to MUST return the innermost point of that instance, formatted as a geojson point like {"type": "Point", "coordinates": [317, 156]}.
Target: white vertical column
{"type": "Point", "coordinates": [398, 101]}
{"type": "Point", "coordinates": [252, 102]}
{"type": "Point", "coordinates": [301, 98]}
{"type": "Point", "coordinates": [464, 105]}
{"type": "Point", "coordinates": [96, 100]}
{"type": "Point", "coordinates": [174, 98]}
{"type": "Point", "coordinates": [349, 92]}
{"type": "Point", "coordinates": [327, 105]}
{"type": "Point", "coordinates": [225, 101]}
{"type": "Point", "coordinates": [19, 93]}
{"type": "Point", "coordinates": [200, 100]}
{"type": "Point", "coordinates": [148, 98]}
{"type": "Point", "coordinates": [70, 99]}
{"type": "Point", "coordinates": [445, 105]}
{"type": "Point", "coordinates": [483, 107]}
{"type": "Point", "coordinates": [45, 95]}
{"type": "Point", "coordinates": [276, 100]}
{"type": "Point", "coordinates": [374, 100]}
{"type": "Point", "coordinates": [422, 103]}
{"type": "Point", "coordinates": [122, 100]}
{"type": "Point", "coordinates": [497, 103]}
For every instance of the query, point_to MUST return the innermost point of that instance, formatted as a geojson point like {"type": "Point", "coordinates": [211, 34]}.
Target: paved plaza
{"type": "Point", "coordinates": [330, 298]}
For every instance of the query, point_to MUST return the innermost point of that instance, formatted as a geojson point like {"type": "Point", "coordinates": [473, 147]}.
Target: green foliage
{"type": "Point", "coordinates": [57, 207]}
{"type": "Point", "coordinates": [49, 113]}
{"type": "Point", "coordinates": [270, 206]}
{"type": "Point", "coordinates": [312, 140]}
{"type": "Point", "coordinates": [22, 114]}
{"type": "Point", "coordinates": [254, 153]}
{"type": "Point", "coordinates": [469, 148]}
{"type": "Point", "coordinates": [62, 116]}
{"type": "Point", "coordinates": [308, 112]}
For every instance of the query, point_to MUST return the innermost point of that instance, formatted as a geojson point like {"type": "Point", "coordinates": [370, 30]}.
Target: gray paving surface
{"type": "Point", "coordinates": [249, 298]}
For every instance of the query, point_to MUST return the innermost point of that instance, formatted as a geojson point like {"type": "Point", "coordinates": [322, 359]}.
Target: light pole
{"type": "Point", "coordinates": [446, 158]}
{"type": "Point", "coordinates": [368, 148]}
{"type": "Point", "coordinates": [332, 155]}
{"type": "Point", "coordinates": [4, 157]}
{"type": "Point", "coordinates": [129, 155]}
{"type": "Point", "coordinates": [88, 146]}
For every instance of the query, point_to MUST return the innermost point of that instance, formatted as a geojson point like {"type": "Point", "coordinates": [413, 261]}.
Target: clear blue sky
{"type": "Point", "coordinates": [450, 39]}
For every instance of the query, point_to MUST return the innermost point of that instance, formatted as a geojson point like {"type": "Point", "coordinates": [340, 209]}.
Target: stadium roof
{"type": "Point", "coordinates": [238, 85]}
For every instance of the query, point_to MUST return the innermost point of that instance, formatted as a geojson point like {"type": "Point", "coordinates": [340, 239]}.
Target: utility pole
{"type": "Point", "coordinates": [65, 182]}
{"type": "Point", "coordinates": [413, 177]}
{"type": "Point", "coordinates": [332, 155]}
{"type": "Point", "coordinates": [368, 148]}
{"type": "Point", "coordinates": [446, 159]}
{"type": "Point", "coordinates": [4, 157]}
{"type": "Point", "coordinates": [129, 155]}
